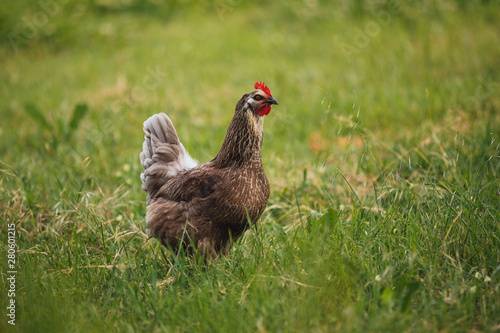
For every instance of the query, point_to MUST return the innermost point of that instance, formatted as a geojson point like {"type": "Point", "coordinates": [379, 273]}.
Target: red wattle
{"type": "Point", "coordinates": [264, 111]}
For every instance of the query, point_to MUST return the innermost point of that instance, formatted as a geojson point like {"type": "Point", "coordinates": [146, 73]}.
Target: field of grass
{"type": "Point", "coordinates": [383, 158]}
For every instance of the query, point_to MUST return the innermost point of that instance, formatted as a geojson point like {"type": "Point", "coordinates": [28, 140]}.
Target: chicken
{"type": "Point", "coordinates": [204, 207]}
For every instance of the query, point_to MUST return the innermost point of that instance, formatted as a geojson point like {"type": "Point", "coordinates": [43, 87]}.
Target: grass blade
{"type": "Point", "coordinates": [38, 116]}
{"type": "Point", "coordinates": [79, 113]}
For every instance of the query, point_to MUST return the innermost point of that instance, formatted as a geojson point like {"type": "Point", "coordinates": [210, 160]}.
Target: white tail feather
{"type": "Point", "coordinates": [163, 156]}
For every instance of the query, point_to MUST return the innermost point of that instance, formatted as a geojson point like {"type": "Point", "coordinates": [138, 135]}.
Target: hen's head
{"type": "Point", "coordinates": [260, 100]}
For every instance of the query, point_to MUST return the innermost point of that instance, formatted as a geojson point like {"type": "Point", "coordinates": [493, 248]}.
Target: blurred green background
{"type": "Point", "coordinates": [388, 118]}
{"type": "Point", "coordinates": [392, 65]}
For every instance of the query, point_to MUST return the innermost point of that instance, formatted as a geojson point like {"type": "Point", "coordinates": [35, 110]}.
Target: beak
{"type": "Point", "coordinates": [271, 101]}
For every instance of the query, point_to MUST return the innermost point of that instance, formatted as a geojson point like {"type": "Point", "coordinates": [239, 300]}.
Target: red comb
{"type": "Point", "coordinates": [262, 86]}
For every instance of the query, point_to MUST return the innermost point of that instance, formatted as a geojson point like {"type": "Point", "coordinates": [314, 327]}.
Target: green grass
{"type": "Point", "coordinates": [384, 212]}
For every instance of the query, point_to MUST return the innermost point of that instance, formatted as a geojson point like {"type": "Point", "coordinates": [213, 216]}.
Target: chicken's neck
{"type": "Point", "coordinates": [243, 141]}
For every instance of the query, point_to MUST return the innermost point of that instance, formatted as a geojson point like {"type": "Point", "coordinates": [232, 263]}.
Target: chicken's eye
{"type": "Point", "coordinates": [258, 98]}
